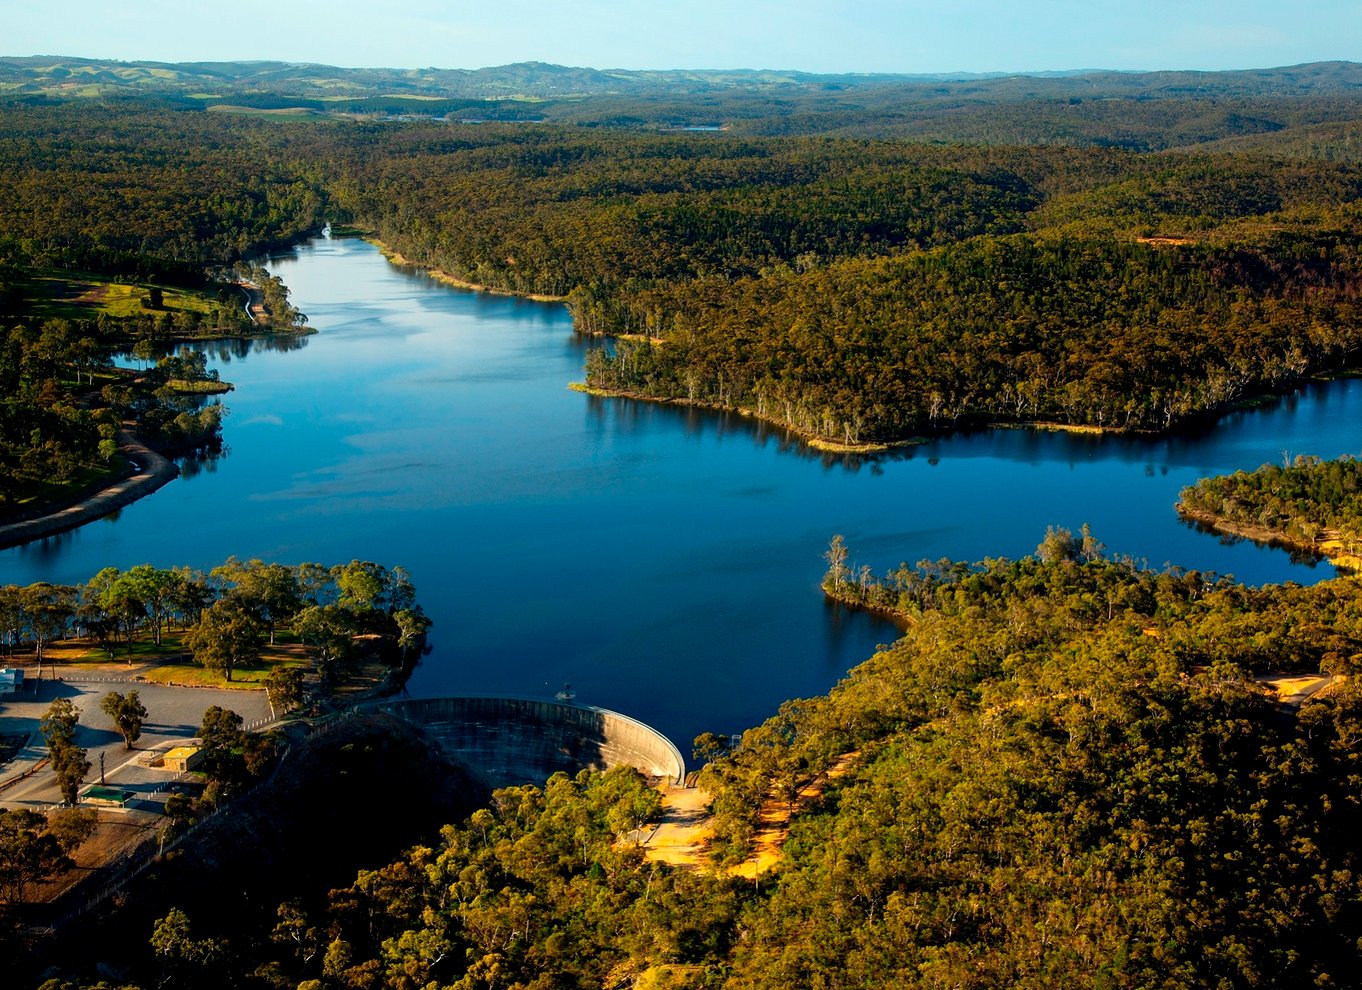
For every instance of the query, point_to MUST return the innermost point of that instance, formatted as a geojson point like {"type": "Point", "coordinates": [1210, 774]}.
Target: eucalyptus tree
{"type": "Point", "coordinates": [48, 610]}
{"type": "Point", "coordinates": [127, 712]}
{"type": "Point", "coordinates": [120, 600]}
{"type": "Point", "coordinates": [226, 636]}
{"type": "Point", "coordinates": [34, 847]}
{"type": "Point", "coordinates": [156, 589]}
{"type": "Point", "coordinates": [11, 615]}
{"type": "Point", "coordinates": [58, 727]}
{"type": "Point", "coordinates": [269, 591]}
{"type": "Point", "coordinates": [330, 630]}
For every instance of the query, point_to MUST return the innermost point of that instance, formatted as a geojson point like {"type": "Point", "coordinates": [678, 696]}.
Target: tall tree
{"type": "Point", "coordinates": [49, 609]}
{"type": "Point", "coordinates": [268, 591]}
{"type": "Point", "coordinates": [330, 630]}
{"type": "Point", "coordinates": [225, 637]}
{"type": "Point", "coordinates": [127, 713]}
{"type": "Point", "coordinates": [58, 726]}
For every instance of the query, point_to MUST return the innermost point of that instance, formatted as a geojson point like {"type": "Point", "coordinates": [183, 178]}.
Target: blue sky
{"type": "Point", "coordinates": [813, 35]}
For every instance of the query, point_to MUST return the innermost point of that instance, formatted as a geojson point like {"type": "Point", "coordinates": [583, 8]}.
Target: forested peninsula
{"type": "Point", "coordinates": [1309, 504]}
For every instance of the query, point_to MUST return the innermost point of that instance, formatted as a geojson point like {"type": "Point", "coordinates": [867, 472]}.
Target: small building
{"type": "Point", "coordinates": [107, 797]}
{"type": "Point", "coordinates": [183, 758]}
{"type": "Point", "coordinates": [152, 758]}
{"type": "Point", "coordinates": [11, 680]}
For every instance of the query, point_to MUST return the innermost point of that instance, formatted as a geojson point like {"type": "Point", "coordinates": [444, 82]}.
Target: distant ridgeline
{"type": "Point", "coordinates": [799, 264]}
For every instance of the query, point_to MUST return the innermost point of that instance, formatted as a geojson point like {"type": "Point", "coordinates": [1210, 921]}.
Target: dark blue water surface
{"type": "Point", "coordinates": [665, 562]}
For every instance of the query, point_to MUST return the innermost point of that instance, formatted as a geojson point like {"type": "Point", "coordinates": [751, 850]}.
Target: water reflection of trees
{"type": "Point", "coordinates": [224, 350]}
{"type": "Point", "coordinates": [203, 461]}
{"type": "Point", "coordinates": [639, 416]}
{"type": "Point", "coordinates": [240, 348]}
{"type": "Point", "coordinates": [1299, 555]}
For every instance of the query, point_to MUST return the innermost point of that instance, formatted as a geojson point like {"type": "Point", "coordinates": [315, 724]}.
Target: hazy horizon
{"type": "Point", "coordinates": [699, 69]}
{"type": "Point", "coordinates": [828, 37]}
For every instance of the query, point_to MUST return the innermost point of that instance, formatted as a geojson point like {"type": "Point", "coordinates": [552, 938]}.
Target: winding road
{"type": "Point", "coordinates": [153, 472]}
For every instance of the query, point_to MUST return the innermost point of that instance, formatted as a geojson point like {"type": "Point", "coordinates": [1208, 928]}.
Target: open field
{"type": "Point", "coordinates": [85, 296]}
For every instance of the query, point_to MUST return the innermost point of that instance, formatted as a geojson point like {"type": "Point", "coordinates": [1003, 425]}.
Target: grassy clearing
{"type": "Point", "coordinates": [38, 496]}
{"type": "Point", "coordinates": [84, 296]}
{"type": "Point", "coordinates": [286, 113]}
{"type": "Point", "coordinates": [199, 388]}
{"type": "Point", "coordinates": [171, 663]}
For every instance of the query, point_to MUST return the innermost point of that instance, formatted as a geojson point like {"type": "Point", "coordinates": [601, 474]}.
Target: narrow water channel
{"type": "Point", "coordinates": [663, 561]}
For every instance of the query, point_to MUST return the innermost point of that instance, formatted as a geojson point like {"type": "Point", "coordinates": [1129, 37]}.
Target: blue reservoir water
{"type": "Point", "coordinates": [664, 561]}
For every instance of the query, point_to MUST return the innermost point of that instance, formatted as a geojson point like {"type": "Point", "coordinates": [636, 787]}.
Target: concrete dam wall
{"type": "Point", "coordinates": [525, 741]}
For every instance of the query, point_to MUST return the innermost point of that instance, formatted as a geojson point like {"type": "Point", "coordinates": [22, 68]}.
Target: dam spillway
{"type": "Point", "coordinates": [525, 740]}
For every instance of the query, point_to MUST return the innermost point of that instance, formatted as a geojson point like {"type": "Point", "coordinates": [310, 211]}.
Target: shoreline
{"type": "Point", "coordinates": [1326, 549]}
{"type": "Point", "coordinates": [904, 620]}
{"type": "Point", "coordinates": [440, 275]}
{"type": "Point", "coordinates": [1050, 426]}
{"type": "Point", "coordinates": [155, 472]}
{"type": "Point", "coordinates": [817, 443]}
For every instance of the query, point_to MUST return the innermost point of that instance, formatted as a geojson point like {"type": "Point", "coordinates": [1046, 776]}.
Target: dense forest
{"type": "Point", "coordinates": [1064, 774]}
{"type": "Point", "coordinates": [854, 290]}
{"type": "Point", "coordinates": [117, 233]}
{"type": "Point", "coordinates": [1067, 773]}
{"type": "Point", "coordinates": [1303, 503]}
{"type": "Point", "coordinates": [863, 291]}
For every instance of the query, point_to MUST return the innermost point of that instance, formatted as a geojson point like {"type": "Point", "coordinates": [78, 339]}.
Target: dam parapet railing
{"type": "Point", "coordinates": [512, 740]}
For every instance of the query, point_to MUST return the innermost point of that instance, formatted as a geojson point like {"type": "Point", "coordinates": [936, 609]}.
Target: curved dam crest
{"type": "Point", "coordinates": [525, 740]}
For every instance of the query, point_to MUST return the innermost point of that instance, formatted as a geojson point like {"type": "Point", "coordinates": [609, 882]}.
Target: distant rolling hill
{"type": "Point", "coordinates": [1142, 111]}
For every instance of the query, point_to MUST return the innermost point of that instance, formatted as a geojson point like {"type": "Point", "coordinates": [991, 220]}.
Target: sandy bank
{"type": "Point", "coordinates": [1330, 548]}
{"type": "Point", "coordinates": [442, 276]}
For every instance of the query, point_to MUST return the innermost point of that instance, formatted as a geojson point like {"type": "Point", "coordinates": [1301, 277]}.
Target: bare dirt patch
{"type": "Point", "coordinates": [117, 835]}
{"type": "Point", "coordinates": [1296, 689]}
{"type": "Point", "coordinates": [684, 829]}
{"type": "Point", "coordinates": [773, 825]}
{"type": "Point", "coordinates": [682, 837]}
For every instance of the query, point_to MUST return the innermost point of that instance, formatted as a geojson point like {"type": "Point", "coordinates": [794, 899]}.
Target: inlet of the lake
{"type": "Point", "coordinates": [664, 561]}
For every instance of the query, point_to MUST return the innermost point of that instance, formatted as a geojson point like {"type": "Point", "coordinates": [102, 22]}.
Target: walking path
{"type": "Point", "coordinates": [255, 303]}
{"type": "Point", "coordinates": [153, 471]}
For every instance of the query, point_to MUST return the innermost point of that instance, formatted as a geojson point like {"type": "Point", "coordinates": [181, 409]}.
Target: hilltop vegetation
{"type": "Point", "coordinates": [1136, 110]}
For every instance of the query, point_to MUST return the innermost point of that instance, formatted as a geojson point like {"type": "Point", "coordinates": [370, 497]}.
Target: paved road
{"type": "Point", "coordinates": [1307, 691]}
{"type": "Point", "coordinates": [153, 471]}
{"type": "Point", "coordinates": [173, 716]}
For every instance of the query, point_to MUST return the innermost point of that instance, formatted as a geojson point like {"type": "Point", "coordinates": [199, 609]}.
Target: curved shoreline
{"type": "Point", "coordinates": [1327, 549]}
{"type": "Point", "coordinates": [811, 440]}
{"type": "Point", "coordinates": [154, 472]}
{"type": "Point", "coordinates": [397, 258]}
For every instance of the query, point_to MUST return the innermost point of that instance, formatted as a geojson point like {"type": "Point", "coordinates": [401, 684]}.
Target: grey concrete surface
{"type": "Point", "coordinates": [174, 715]}
{"type": "Point", "coordinates": [525, 741]}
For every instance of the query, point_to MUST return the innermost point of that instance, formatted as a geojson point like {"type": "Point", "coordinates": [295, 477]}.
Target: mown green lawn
{"type": "Point", "coordinates": [85, 296]}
